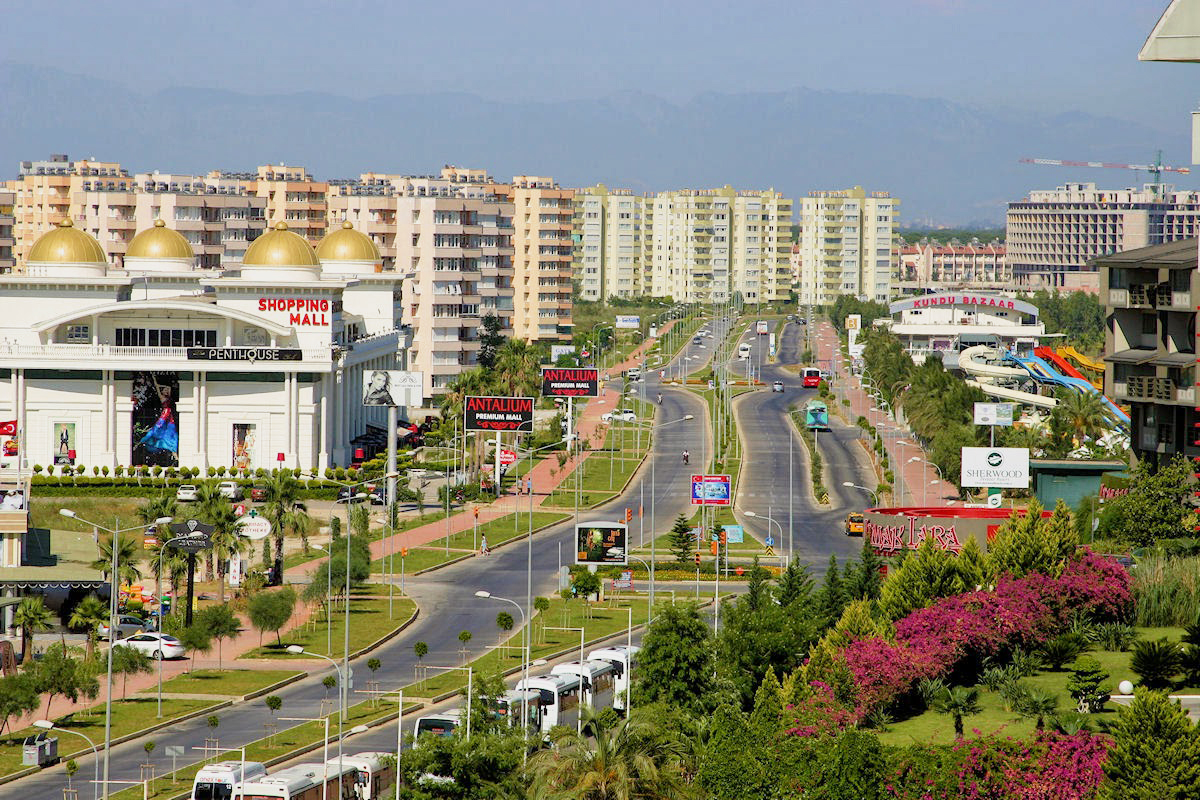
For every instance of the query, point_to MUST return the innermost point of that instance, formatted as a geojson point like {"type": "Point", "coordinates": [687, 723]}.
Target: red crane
{"type": "Point", "coordinates": [1156, 169]}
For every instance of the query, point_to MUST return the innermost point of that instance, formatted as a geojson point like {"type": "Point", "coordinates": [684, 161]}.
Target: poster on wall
{"type": "Point", "coordinates": [244, 437]}
{"type": "Point", "coordinates": [392, 387]}
{"type": "Point", "coordinates": [64, 443]}
{"type": "Point", "coordinates": [155, 421]}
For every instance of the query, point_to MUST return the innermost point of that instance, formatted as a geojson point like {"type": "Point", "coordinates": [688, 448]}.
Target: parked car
{"type": "Point", "coordinates": [624, 415]}
{"type": "Point", "coordinates": [633, 375]}
{"type": "Point", "coordinates": [377, 495]}
{"type": "Point", "coordinates": [155, 645]}
{"type": "Point", "coordinates": [187, 493]}
{"type": "Point", "coordinates": [258, 494]}
{"type": "Point", "coordinates": [230, 490]}
{"type": "Point", "coordinates": [347, 494]}
{"type": "Point", "coordinates": [777, 386]}
{"type": "Point", "coordinates": [127, 625]}
{"type": "Point", "coordinates": [854, 524]}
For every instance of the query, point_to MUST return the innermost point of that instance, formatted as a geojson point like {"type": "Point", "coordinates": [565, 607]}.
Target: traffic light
{"type": "Point", "coordinates": [712, 548]}
{"type": "Point", "coordinates": [697, 559]}
{"type": "Point", "coordinates": [404, 552]}
{"type": "Point", "coordinates": [724, 538]}
{"type": "Point", "coordinates": [476, 512]}
{"type": "Point", "coordinates": [628, 514]}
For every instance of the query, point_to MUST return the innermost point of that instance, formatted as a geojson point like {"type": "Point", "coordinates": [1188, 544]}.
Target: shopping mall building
{"type": "Point", "coordinates": [163, 363]}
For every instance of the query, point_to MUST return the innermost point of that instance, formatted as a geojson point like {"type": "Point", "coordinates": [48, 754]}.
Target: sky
{"type": "Point", "coordinates": [1068, 55]}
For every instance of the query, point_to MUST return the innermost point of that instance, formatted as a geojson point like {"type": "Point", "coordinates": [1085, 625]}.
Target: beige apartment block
{"type": "Point", "coordinates": [292, 196]}
{"type": "Point", "coordinates": [7, 259]}
{"type": "Point", "coordinates": [846, 245]}
{"type": "Point", "coordinates": [609, 250]}
{"type": "Point", "coordinates": [974, 265]}
{"type": "Point", "coordinates": [542, 247]}
{"type": "Point", "coordinates": [1053, 236]}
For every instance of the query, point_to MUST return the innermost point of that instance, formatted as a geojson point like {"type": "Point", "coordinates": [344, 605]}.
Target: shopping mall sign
{"type": "Point", "coordinates": [498, 413]}
{"type": "Point", "coordinates": [570, 382]}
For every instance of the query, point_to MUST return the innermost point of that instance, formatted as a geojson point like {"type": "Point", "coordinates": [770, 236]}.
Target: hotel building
{"type": "Point", "coordinates": [846, 245]}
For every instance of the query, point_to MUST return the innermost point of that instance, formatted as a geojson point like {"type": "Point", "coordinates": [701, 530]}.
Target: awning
{"type": "Point", "coordinates": [1135, 356]}
{"type": "Point", "coordinates": [1175, 360]}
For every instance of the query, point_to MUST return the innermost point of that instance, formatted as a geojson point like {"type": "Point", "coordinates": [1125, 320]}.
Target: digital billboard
{"type": "Point", "coordinates": [600, 543]}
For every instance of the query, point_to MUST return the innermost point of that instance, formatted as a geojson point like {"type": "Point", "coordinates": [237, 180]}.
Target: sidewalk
{"type": "Point", "coordinates": [915, 480]}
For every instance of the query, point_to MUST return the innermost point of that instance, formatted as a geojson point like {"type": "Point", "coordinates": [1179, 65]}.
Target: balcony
{"type": "Point", "coordinates": [1150, 388]}
{"type": "Point", "coordinates": [1170, 299]}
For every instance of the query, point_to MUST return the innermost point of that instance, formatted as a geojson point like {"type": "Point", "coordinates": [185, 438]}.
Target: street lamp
{"type": "Point", "coordinates": [486, 595]}
{"type": "Point", "coordinates": [161, 552]}
{"type": "Point", "coordinates": [328, 594]}
{"type": "Point", "coordinates": [113, 584]}
{"type": "Point", "coordinates": [325, 746]}
{"type": "Point", "coordinates": [872, 492]}
{"type": "Point", "coordinates": [770, 522]}
{"type": "Point", "coordinates": [47, 725]}
{"type": "Point", "coordinates": [653, 534]}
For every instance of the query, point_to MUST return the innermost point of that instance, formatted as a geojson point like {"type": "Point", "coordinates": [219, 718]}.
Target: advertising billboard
{"type": "Point", "coordinates": [711, 490]}
{"type": "Point", "coordinates": [392, 387]}
{"type": "Point", "coordinates": [629, 322]}
{"type": "Point", "coordinates": [995, 467]}
{"type": "Point", "coordinates": [570, 382]}
{"type": "Point", "coordinates": [559, 350]}
{"type": "Point", "coordinates": [154, 421]}
{"type": "Point", "coordinates": [244, 438]}
{"type": "Point", "coordinates": [64, 443]}
{"type": "Point", "coordinates": [600, 543]}
{"type": "Point", "coordinates": [498, 413]}
{"type": "Point", "coordinates": [1000, 414]}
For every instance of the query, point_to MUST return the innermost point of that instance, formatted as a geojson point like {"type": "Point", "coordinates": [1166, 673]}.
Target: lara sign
{"type": "Point", "coordinates": [995, 467]}
{"type": "Point", "coordinates": [887, 539]}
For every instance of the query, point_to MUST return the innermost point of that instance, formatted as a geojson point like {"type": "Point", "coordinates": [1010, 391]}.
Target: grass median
{"type": "Point", "coordinates": [369, 622]}
{"type": "Point", "coordinates": [375, 534]}
{"type": "Point", "coordinates": [606, 470]}
{"type": "Point", "coordinates": [227, 682]}
{"type": "Point", "coordinates": [498, 531]}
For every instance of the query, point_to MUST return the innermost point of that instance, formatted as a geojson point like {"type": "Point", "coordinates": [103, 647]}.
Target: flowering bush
{"type": "Point", "coordinates": [818, 712]}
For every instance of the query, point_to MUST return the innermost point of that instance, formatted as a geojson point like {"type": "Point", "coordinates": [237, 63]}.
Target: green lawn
{"type": "Point", "coordinates": [369, 622]}
{"type": "Point", "coordinates": [234, 682]}
{"type": "Point", "coordinates": [128, 716]}
{"type": "Point", "coordinates": [498, 531]}
{"type": "Point", "coordinates": [375, 534]}
{"type": "Point", "coordinates": [606, 470]}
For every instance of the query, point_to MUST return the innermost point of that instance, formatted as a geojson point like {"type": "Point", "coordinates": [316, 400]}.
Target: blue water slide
{"type": "Point", "coordinates": [1042, 371]}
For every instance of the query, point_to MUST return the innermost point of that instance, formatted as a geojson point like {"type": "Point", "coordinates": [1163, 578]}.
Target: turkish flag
{"type": "Point", "coordinates": [8, 428]}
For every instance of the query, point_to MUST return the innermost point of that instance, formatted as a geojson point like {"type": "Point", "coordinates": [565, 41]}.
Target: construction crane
{"type": "Point", "coordinates": [1155, 170]}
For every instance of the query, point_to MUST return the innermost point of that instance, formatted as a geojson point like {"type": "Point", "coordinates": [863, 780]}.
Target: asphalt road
{"type": "Point", "coordinates": [446, 601]}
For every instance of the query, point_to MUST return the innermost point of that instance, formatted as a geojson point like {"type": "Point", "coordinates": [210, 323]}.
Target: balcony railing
{"type": "Point", "coordinates": [1138, 387]}
{"type": "Point", "coordinates": [76, 352]}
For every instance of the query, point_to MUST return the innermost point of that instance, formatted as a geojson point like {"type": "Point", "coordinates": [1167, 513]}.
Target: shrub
{"type": "Point", "coordinates": [1086, 685]}
{"type": "Point", "coordinates": [1062, 649]}
{"type": "Point", "coordinates": [1156, 663]}
{"type": "Point", "coordinates": [1115, 637]}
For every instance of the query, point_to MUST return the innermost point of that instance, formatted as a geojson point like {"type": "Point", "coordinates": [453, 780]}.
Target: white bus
{"type": "Point", "coordinates": [443, 723]}
{"type": "Point", "coordinates": [622, 658]}
{"type": "Point", "coordinates": [216, 781]}
{"type": "Point", "coordinates": [301, 782]}
{"type": "Point", "coordinates": [510, 705]}
{"type": "Point", "coordinates": [376, 773]}
{"type": "Point", "coordinates": [560, 698]}
{"type": "Point", "coordinates": [744, 350]}
{"type": "Point", "coordinates": [599, 679]}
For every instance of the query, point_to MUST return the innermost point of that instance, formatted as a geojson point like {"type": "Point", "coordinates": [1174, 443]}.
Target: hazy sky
{"type": "Point", "coordinates": [1043, 54]}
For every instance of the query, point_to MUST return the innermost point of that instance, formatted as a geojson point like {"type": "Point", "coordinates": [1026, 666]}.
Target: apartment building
{"type": "Point", "coordinates": [1053, 237]}
{"type": "Point", "coordinates": [7, 241]}
{"type": "Point", "coordinates": [292, 197]}
{"type": "Point", "coordinates": [973, 265]}
{"type": "Point", "coordinates": [846, 245]}
{"type": "Point", "coordinates": [1151, 295]}
{"type": "Point", "coordinates": [542, 252]}
{"type": "Point", "coordinates": [608, 229]}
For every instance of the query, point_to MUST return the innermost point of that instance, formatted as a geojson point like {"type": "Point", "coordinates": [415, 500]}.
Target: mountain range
{"type": "Point", "coordinates": [948, 162]}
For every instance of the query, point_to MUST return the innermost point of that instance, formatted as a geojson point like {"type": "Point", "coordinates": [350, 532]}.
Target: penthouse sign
{"type": "Point", "coordinates": [886, 539]}
{"type": "Point", "coordinates": [963, 299]}
{"type": "Point", "coordinates": [498, 414]}
{"type": "Point", "coordinates": [570, 382]}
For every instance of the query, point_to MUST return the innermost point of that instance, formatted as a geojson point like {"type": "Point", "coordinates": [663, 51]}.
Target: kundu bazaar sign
{"type": "Point", "coordinates": [963, 299]}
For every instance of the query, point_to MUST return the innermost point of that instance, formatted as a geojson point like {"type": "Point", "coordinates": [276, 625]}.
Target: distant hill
{"type": "Point", "coordinates": [949, 163]}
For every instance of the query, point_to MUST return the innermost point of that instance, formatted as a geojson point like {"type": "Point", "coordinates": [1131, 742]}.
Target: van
{"type": "Point", "coordinates": [811, 377]}
{"type": "Point", "coordinates": [854, 524]}
{"type": "Point", "coordinates": [744, 350]}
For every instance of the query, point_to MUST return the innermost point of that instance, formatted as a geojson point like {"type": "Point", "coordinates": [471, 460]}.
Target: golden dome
{"type": "Point", "coordinates": [159, 242]}
{"type": "Point", "coordinates": [280, 248]}
{"type": "Point", "coordinates": [67, 245]}
{"type": "Point", "coordinates": [348, 244]}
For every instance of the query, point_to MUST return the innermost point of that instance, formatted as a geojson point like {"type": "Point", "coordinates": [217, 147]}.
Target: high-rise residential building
{"type": "Point", "coordinates": [609, 231]}
{"type": "Point", "coordinates": [846, 245]}
{"type": "Point", "coordinates": [712, 245]}
{"type": "Point", "coordinates": [7, 258]}
{"type": "Point", "coordinates": [542, 250]}
{"type": "Point", "coordinates": [292, 196]}
{"type": "Point", "coordinates": [1052, 237]}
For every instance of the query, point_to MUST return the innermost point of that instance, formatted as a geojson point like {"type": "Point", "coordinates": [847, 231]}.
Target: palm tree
{"type": "Point", "coordinates": [162, 506]}
{"type": "Point", "coordinates": [1039, 704]}
{"type": "Point", "coordinates": [1084, 413]}
{"type": "Point", "coordinates": [958, 703]}
{"type": "Point", "coordinates": [623, 761]}
{"type": "Point", "coordinates": [31, 616]}
{"type": "Point", "coordinates": [226, 539]}
{"type": "Point", "coordinates": [209, 500]}
{"type": "Point", "coordinates": [128, 571]}
{"type": "Point", "coordinates": [88, 616]}
{"type": "Point", "coordinates": [285, 511]}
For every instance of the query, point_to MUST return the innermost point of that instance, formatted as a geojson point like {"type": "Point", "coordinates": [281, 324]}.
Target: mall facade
{"type": "Point", "coordinates": [160, 362]}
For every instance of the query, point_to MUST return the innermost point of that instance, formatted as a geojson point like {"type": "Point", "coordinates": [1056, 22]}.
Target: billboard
{"type": "Point", "coordinates": [154, 422]}
{"type": "Point", "coordinates": [600, 543]}
{"type": "Point", "coordinates": [498, 413]}
{"type": "Point", "coordinates": [64, 443]}
{"type": "Point", "coordinates": [570, 382]}
{"type": "Point", "coordinates": [244, 438]}
{"type": "Point", "coordinates": [995, 467]}
{"type": "Point", "coordinates": [711, 490]}
{"type": "Point", "coordinates": [629, 322]}
{"type": "Point", "coordinates": [734, 534]}
{"type": "Point", "coordinates": [559, 350]}
{"type": "Point", "coordinates": [392, 387]}
{"type": "Point", "coordinates": [994, 414]}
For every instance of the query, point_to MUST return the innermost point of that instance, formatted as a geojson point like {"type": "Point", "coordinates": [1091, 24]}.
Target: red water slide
{"type": "Point", "coordinates": [1054, 358]}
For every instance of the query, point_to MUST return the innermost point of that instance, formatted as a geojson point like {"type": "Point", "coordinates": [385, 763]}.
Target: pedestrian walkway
{"type": "Point", "coordinates": [917, 482]}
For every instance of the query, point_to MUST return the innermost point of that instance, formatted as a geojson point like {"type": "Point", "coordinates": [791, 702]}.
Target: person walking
{"type": "Point", "coordinates": [529, 486]}
{"type": "Point", "coordinates": [483, 546]}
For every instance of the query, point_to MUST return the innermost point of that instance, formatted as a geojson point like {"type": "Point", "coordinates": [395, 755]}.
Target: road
{"type": "Point", "coordinates": [445, 598]}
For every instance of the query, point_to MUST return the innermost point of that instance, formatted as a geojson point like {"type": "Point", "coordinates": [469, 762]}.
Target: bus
{"type": "Point", "coordinates": [508, 706]}
{"type": "Point", "coordinates": [622, 658]}
{"type": "Point", "coordinates": [302, 782]}
{"type": "Point", "coordinates": [599, 680]}
{"type": "Point", "coordinates": [443, 723]}
{"type": "Point", "coordinates": [376, 772]}
{"type": "Point", "coordinates": [744, 350]}
{"type": "Point", "coordinates": [812, 377]}
{"type": "Point", "coordinates": [560, 698]}
{"type": "Point", "coordinates": [216, 781]}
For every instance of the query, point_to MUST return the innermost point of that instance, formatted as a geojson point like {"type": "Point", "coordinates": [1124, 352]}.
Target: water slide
{"type": "Point", "coordinates": [1093, 368]}
{"type": "Point", "coordinates": [1046, 354]}
{"type": "Point", "coordinates": [990, 372]}
{"type": "Point", "coordinates": [1042, 372]}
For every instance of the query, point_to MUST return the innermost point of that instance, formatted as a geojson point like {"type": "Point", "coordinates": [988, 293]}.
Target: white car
{"type": "Point", "coordinates": [624, 415]}
{"type": "Point", "coordinates": [187, 493]}
{"type": "Point", "coordinates": [777, 386]}
{"type": "Point", "coordinates": [155, 645]}
{"type": "Point", "coordinates": [230, 490]}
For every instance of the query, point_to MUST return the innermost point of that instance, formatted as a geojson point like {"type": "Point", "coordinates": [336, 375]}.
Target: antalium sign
{"type": "Point", "coordinates": [498, 413]}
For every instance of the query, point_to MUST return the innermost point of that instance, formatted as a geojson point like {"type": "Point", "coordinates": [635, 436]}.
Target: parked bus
{"type": "Point", "coordinates": [376, 773]}
{"type": "Point", "coordinates": [510, 704]}
{"type": "Point", "coordinates": [302, 782]}
{"type": "Point", "coordinates": [599, 680]}
{"type": "Point", "coordinates": [560, 698]}
{"type": "Point", "coordinates": [443, 723]}
{"type": "Point", "coordinates": [622, 658]}
{"type": "Point", "coordinates": [216, 781]}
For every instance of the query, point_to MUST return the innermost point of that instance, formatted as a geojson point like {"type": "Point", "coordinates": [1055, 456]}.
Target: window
{"type": "Point", "coordinates": [79, 334]}
{"type": "Point", "coordinates": [159, 337]}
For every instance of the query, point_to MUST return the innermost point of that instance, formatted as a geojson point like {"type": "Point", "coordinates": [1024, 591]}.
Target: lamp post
{"type": "Point", "coordinates": [486, 595]}
{"type": "Point", "coordinates": [770, 522]}
{"type": "Point", "coordinates": [328, 595]}
{"type": "Point", "coordinates": [599, 362]}
{"type": "Point", "coordinates": [872, 492]}
{"type": "Point", "coordinates": [47, 725]}
{"type": "Point", "coordinates": [113, 584]}
{"type": "Point", "coordinates": [325, 745]}
{"type": "Point", "coordinates": [297, 650]}
{"type": "Point", "coordinates": [161, 552]}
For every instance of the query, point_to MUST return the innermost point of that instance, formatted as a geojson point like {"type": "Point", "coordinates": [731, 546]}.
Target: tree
{"type": "Point", "coordinates": [31, 616]}
{"type": "Point", "coordinates": [197, 639]}
{"type": "Point", "coordinates": [682, 540]}
{"type": "Point", "coordinates": [1086, 685]}
{"type": "Point", "coordinates": [730, 770]}
{"type": "Point", "coordinates": [126, 662]}
{"type": "Point", "coordinates": [285, 511]}
{"type": "Point", "coordinates": [490, 340]}
{"type": "Point", "coordinates": [1062, 649]}
{"type": "Point", "coordinates": [853, 768]}
{"type": "Point", "coordinates": [127, 568]}
{"type": "Point", "coordinates": [958, 702]}
{"type": "Point", "coordinates": [1155, 506]}
{"type": "Point", "coordinates": [221, 623]}
{"type": "Point", "coordinates": [273, 703]}
{"type": "Point", "coordinates": [1037, 703]}
{"type": "Point", "coordinates": [270, 611]}
{"type": "Point", "coordinates": [675, 663]}
{"type": "Point", "coordinates": [88, 615]}
{"type": "Point", "coordinates": [59, 674]}
{"type": "Point", "coordinates": [18, 696]}
{"type": "Point", "coordinates": [831, 598]}
{"type": "Point", "coordinates": [1155, 753]}
{"type": "Point", "coordinates": [926, 575]}
{"type": "Point", "coordinates": [795, 584]}
{"type": "Point", "coordinates": [505, 622]}
{"type": "Point", "coordinates": [1030, 543]}
{"type": "Point", "coordinates": [1083, 413]}
{"type": "Point", "coordinates": [463, 638]}
{"type": "Point", "coordinates": [1156, 663]}
{"type": "Point", "coordinates": [226, 538]}
{"type": "Point", "coordinates": [621, 761]}
{"type": "Point", "coordinates": [864, 580]}
{"type": "Point", "coordinates": [541, 605]}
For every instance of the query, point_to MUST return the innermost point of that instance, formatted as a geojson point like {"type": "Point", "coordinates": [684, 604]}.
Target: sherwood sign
{"type": "Point", "coordinates": [995, 467]}
{"type": "Point", "coordinates": [498, 413]}
{"type": "Point", "coordinates": [570, 382]}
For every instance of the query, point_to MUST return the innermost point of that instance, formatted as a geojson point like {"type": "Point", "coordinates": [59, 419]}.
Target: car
{"type": "Point", "coordinates": [854, 524]}
{"type": "Point", "coordinates": [187, 493]}
{"type": "Point", "coordinates": [777, 386]}
{"type": "Point", "coordinates": [127, 625]}
{"type": "Point", "coordinates": [155, 645]}
{"type": "Point", "coordinates": [623, 415]}
{"type": "Point", "coordinates": [348, 494]}
{"type": "Point", "coordinates": [377, 495]}
{"type": "Point", "coordinates": [695, 340]}
{"type": "Point", "coordinates": [633, 375]}
{"type": "Point", "coordinates": [258, 494]}
{"type": "Point", "coordinates": [230, 490]}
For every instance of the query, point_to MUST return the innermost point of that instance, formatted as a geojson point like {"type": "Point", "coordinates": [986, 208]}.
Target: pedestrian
{"type": "Point", "coordinates": [529, 486]}
{"type": "Point", "coordinates": [483, 546]}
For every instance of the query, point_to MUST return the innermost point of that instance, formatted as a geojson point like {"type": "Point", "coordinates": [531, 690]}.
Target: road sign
{"type": "Point", "coordinates": [508, 457]}
{"type": "Point", "coordinates": [174, 750]}
{"type": "Point", "coordinates": [770, 552]}
{"type": "Point", "coordinates": [734, 534]}
{"type": "Point", "coordinates": [192, 536]}
{"type": "Point", "coordinates": [769, 541]}
{"type": "Point", "coordinates": [625, 581]}
{"type": "Point", "coordinates": [711, 490]}
{"type": "Point", "coordinates": [739, 572]}
{"type": "Point", "coordinates": [239, 510]}
{"type": "Point", "coordinates": [254, 527]}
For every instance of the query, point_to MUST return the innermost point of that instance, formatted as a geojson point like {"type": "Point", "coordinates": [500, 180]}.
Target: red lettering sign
{"type": "Point", "coordinates": [301, 311]}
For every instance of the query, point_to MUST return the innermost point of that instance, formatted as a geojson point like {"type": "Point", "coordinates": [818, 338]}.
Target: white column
{"type": "Point", "coordinates": [198, 433]}
{"type": "Point", "coordinates": [202, 421]}
{"type": "Point", "coordinates": [289, 384]}
{"type": "Point", "coordinates": [322, 417]}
